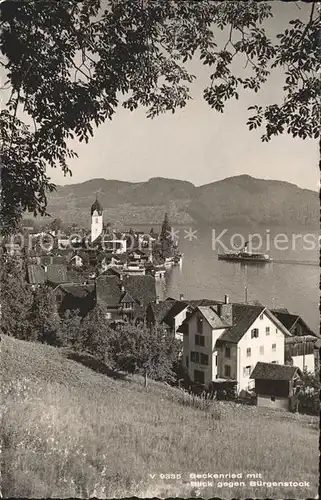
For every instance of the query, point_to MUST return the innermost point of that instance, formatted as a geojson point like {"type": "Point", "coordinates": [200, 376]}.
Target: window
{"type": "Point", "coordinates": [267, 330]}
{"type": "Point", "coordinates": [275, 362]}
{"type": "Point", "coordinates": [246, 371]}
{"type": "Point", "coordinates": [261, 349]}
{"type": "Point", "coordinates": [227, 352]}
{"type": "Point", "coordinates": [248, 352]}
{"type": "Point", "coordinates": [58, 298]}
{"type": "Point", "coordinates": [199, 376]}
{"type": "Point", "coordinates": [187, 361]}
{"type": "Point", "coordinates": [276, 330]}
{"type": "Point", "coordinates": [96, 220]}
{"type": "Point", "coordinates": [204, 359]}
{"type": "Point", "coordinates": [273, 347]}
{"type": "Point", "coordinates": [195, 357]}
{"type": "Point", "coordinates": [272, 398]}
{"type": "Point", "coordinates": [199, 340]}
{"type": "Point", "coordinates": [254, 333]}
{"type": "Point", "coordinates": [261, 316]}
{"type": "Point", "coordinates": [200, 325]}
{"type": "Point", "coordinates": [216, 359]}
{"type": "Point", "coordinates": [227, 370]}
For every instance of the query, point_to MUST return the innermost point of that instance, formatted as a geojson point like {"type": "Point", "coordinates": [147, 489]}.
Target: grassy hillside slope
{"type": "Point", "coordinates": [69, 431]}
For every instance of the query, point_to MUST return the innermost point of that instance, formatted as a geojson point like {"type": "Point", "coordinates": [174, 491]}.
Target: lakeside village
{"type": "Point", "coordinates": [259, 355]}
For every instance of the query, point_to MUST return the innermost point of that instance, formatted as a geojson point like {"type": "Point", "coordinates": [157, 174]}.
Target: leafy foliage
{"type": "Point", "coordinates": [43, 319]}
{"type": "Point", "coordinates": [93, 335]}
{"type": "Point", "coordinates": [71, 65]}
{"type": "Point", "coordinates": [15, 298]}
{"type": "Point", "coordinates": [151, 352]}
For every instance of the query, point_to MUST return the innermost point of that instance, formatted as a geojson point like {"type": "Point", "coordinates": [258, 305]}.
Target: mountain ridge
{"type": "Point", "coordinates": [241, 199]}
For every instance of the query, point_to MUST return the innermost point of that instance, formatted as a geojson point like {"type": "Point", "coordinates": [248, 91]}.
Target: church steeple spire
{"type": "Point", "coordinates": [96, 219]}
{"type": "Point", "coordinates": [96, 206]}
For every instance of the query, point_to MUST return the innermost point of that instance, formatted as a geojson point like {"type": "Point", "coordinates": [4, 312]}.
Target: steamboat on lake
{"type": "Point", "coordinates": [245, 256]}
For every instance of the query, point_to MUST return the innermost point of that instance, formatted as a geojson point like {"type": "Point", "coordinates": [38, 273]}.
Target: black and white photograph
{"type": "Point", "coordinates": [159, 249]}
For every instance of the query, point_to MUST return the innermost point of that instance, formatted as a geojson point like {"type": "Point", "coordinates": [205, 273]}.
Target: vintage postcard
{"type": "Point", "coordinates": [159, 224]}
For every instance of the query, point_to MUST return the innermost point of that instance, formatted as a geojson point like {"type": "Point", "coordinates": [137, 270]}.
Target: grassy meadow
{"type": "Point", "coordinates": [68, 431]}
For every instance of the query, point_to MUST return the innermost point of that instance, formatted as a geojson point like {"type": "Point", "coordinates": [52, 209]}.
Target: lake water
{"type": "Point", "coordinates": [278, 284]}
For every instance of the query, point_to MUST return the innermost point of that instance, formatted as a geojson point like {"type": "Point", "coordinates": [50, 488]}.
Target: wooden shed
{"type": "Point", "coordinates": [276, 385]}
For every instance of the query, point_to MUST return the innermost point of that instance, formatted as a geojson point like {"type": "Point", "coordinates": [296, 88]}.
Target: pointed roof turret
{"type": "Point", "coordinates": [96, 206]}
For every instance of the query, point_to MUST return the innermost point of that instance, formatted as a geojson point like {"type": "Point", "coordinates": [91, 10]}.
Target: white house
{"type": "Point", "coordinates": [225, 341]}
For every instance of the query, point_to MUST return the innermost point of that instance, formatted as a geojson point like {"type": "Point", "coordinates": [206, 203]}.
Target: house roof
{"type": "Point", "coordinates": [212, 317]}
{"type": "Point", "coordinates": [243, 317]}
{"type": "Point", "coordinates": [161, 309]}
{"type": "Point", "coordinates": [287, 319]}
{"type": "Point", "coordinates": [141, 288]}
{"type": "Point", "coordinates": [35, 274]}
{"type": "Point", "coordinates": [56, 273]}
{"type": "Point", "coordinates": [273, 371]}
{"type": "Point", "coordinates": [78, 291]}
{"type": "Point", "coordinates": [108, 290]}
{"type": "Point", "coordinates": [96, 206]}
{"type": "Point", "coordinates": [203, 302]}
{"type": "Point", "coordinates": [127, 298]}
{"type": "Point", "coordinates": [290, 320]}
{"type": "Point", "coordinates": [177, 307]}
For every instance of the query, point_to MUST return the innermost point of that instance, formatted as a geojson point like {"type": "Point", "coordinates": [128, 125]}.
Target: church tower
{"type": "Point", "coordinates": [96, 220]}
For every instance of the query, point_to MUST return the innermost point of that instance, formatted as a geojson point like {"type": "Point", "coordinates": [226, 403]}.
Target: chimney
{"type": "Point", "coordinates": [157, 299]}
{"type": "Point", "coordinates": [181, 296]}
{"type": "Point", "coordinates": [225, 311]}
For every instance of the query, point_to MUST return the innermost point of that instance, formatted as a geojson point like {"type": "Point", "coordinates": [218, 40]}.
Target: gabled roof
{"type": "Point", "coordinates": [141, 288]}
{"type": "Point", "coordinates": [273, 371]}
{"type": "Point", "coordinates": [243, 317]}
{"type": "Point", "coordinates": [127, 298]}
{"type": "Point", "coordinates": [161, 309]}
{"type": "Point", "coordinates": [212, 317]}
{"type": "Point", "coordinates": [287, 319]}
{"type": "Point", "coordinates": [35, 274]}
{"type": "Point", "coordinates": [290, 320]}
{"type": "Point", "coordinates": [177, 307]}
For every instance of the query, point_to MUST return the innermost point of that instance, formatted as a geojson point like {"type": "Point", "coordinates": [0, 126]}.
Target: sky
{"type": "Point", "coordinates": [197, 143]}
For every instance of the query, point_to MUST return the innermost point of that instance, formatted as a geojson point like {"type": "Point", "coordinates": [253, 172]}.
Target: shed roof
{"type": "Point", "coordinates": [273, 371]}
